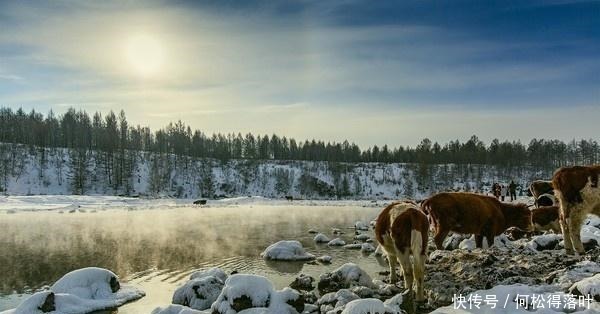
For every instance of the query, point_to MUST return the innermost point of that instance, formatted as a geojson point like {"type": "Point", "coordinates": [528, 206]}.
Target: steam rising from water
{"type": "Point", "coordinates": [38, 248]}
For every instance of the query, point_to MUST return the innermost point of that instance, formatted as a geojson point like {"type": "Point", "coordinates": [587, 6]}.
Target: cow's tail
{"type": "Point", "coordinates": [426, 206]}
{"type": "Point", "coordinates": [416, 243]}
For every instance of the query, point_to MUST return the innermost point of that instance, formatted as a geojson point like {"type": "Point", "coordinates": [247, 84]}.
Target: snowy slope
{"type": "Point", "coordinates": [26, 171]}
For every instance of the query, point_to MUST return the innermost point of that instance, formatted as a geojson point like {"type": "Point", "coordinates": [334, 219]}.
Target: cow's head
{"type": "Point", "coordinates": [518, 216]}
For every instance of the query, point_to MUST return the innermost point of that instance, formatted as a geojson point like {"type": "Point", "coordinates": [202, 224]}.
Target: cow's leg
{"type": "Point", "coordinates": [490, 240]}
{"type": "Point", "coordinates": [440, 235]}
{"type": "Point", "coordinates": [574, 222]}
{"type": "Point", "coordinates": [392, 260]}
{"type": "Point", "coordinates": [564, 226]}
{"type": "Point", "coordinates": [407, 271]}
{"type": "Point", "coordinates": [419, 274]}
{"type": "Point", "coordinates": [479, 241]}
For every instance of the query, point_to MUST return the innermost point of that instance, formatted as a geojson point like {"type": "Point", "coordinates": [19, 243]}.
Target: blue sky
{"type": "Point", "coordinates": [374, 72]}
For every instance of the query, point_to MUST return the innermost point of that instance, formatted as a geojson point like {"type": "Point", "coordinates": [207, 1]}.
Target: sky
{"type": "Point", "coordinates": [372, 72]}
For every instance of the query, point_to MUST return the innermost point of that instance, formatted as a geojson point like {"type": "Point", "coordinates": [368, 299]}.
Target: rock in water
{"type": "Point", "coordinates": [303, 282]}
{"type": "Point", "coordinates": [199, 293]}
{"type": "Point", "coordinates": [286, 251]}
{"type": "Point", "coordinates": [321, 238]}
{"type": "Point", "coordinates": [346, 276]}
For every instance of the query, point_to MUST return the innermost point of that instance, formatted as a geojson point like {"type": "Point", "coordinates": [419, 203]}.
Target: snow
{"type": "Point", "coordinates": [501, 241]}
{"type": "Point", "coordinates": [588, 286]}
{"type": "Point", "coordinates": [366, 306]}
{"type": "Point", "coordinates": [175, 309]}
{"type": "Point", "coordinates": [215, 272]}
{"type": "Point", "coordinates": [259, 291]}
{"type": "Point", "coordinates": [577, 272]}
{"type": "Point", "coordinates": [353, 246]}
{"type": "Point", "coordinates": [352, 275]}
{"type": "Point", "coordinates": [592, 220]}
{"type": "Point", "coordinates": [394, 302]}
{"type": "Point", "coordinates": [324, 259]}
{"type": "Point", "coordinates": [230, 178]}
{"type": "Point", "coordinates": [86, 283]}
{"type": "Point", "coordinates": [337, 242]}
{"type": "Point", "coordinates": [257, 288]}
{"type": "Point", "coordinates": [286, 251]}
{"type": "Point", "coordinates": [544, 241]}
{"type": "Point", "coordinates": [367, 248]}
{"type": "Point", "coordinates": [334, 302]}
{"type": "Point", "coordinates": [590, 233]}
{"type": "Point", "coordinates": [362, 237]}
{"type": "Point", "coordinates": [199, 293]}
{"type": "Point", "coordinates": [361, 225]}
{"type": "Point", "coordinates": [80, 291]}
{"type": "Point", "coordinates": [321, 238]}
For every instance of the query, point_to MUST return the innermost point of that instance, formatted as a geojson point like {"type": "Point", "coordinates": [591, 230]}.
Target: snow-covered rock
{"type": "Point", "coordinates": [587, 287]}
{"type": "Point", "coordinates": [199, 293]}
{"type": "Point", "coordinates": [367, 306]}
{"type": "Point", "coordinates": [241, 292]}
{"type": "Point", "coordinates": [353, 246]}
{"type": "Point", "coordinates": [361, 225]}
{"type": "Point", "coordinates": [344, 277]}
{"type": "Point", "coordinates": [326, 259]}
{"type": "Point", "coordinates": [244, 292]}
{"type": "Point", "coordinates": [574, 273]}
{"type": "Point", "coordinates": [334, 302]}
{"type": "Point", "coordinates": [176, 309]}
{"type": "Point", "coordinates": [362, 237]}
{"type": "Point", "coordinates": [80, 291]}
{"type": "Point", "coordinates": [337, 242]}
{"type": "Point", "coordinates": [286, 251]}
{"type": "Point", "coordinates": [303, 282]}
{"type": "Point", "coordinates": [544, 242]}
{"type": "Point", "coordinates": [88, 283]}
{"type": "Point", "coordinates": [214, 271]}
{"type": "Point", "coordinates": [367, 248]}
{"type": "Point", "coordinates": [501, 241]}
{"type": "Point", "coordinates": [453, 241]}
{"type": "Point", "coordinates": [321, 238]}
{"type": "Point", "coordinates": [593, 221]}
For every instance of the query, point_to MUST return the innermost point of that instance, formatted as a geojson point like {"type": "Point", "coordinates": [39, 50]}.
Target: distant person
{"type": "Point", "coordinates": [512, 188]}
{"type": "Point", "coordinates": [503, 191]}
{"type": "Point", "coordinates": [496, 190]}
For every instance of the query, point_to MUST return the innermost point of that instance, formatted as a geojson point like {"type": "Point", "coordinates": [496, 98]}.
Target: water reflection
{"type": "Point", "coordinates": [38, 248]}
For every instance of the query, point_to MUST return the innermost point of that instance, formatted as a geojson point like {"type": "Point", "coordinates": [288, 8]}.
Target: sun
{"type": "Point", "coordinates": [145, 55]}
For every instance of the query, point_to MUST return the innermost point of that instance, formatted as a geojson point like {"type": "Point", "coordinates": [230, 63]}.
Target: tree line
{"type": "Point", "coordinates": [112, 134]}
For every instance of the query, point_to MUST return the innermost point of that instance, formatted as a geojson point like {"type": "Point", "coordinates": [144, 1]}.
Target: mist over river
{"type": "Point", "coordinates": [156, 249]}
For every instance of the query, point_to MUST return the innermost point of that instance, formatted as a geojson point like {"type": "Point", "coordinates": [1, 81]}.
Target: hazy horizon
{"type": "Point", "coordinates": [372, 73]}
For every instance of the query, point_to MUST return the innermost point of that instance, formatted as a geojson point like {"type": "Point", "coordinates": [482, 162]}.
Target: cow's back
{"type": "Point", "coordinates": [464, 212]}
{"type": "Point", "coordinates": [569, 181]}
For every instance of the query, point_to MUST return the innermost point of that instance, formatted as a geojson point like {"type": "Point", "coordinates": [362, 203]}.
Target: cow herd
{"type": "Point", "coordinates": [402, 228]}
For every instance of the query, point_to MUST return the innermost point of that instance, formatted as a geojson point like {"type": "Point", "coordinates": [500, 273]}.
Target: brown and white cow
{"type": "Point", "coordinates": [402, 230]}
{"type": "Point", "coordinates": [579, 195]}
{"type": "Point", "coordinates": [540, 187]}
{"type": "Point", "coordinates": [470, 213]}
{"type": "Point", "coordinates": [546, 218]}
